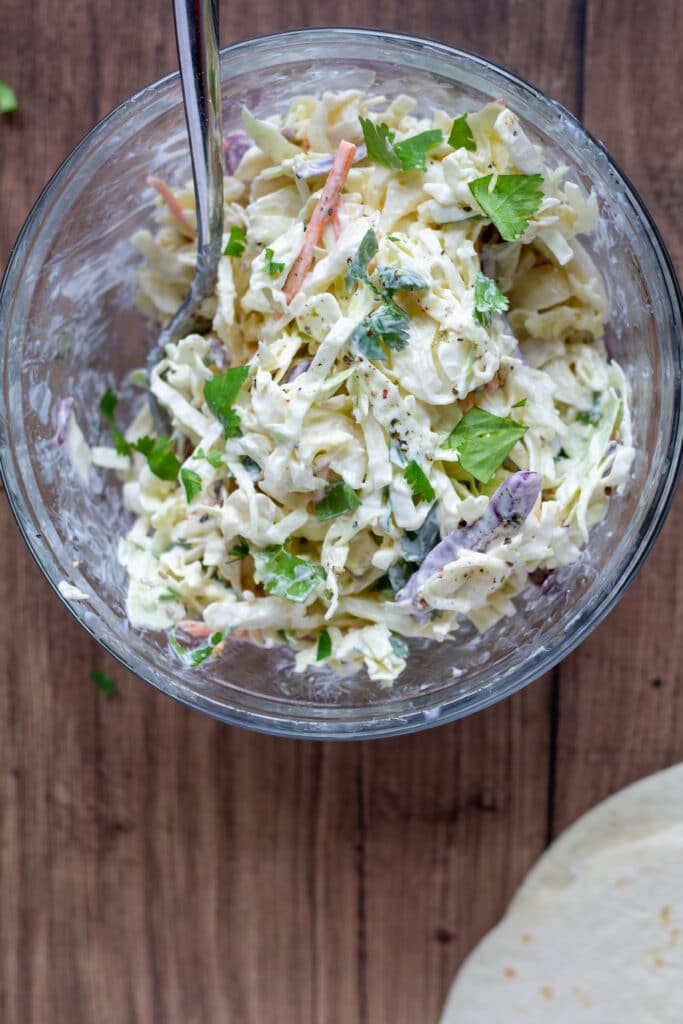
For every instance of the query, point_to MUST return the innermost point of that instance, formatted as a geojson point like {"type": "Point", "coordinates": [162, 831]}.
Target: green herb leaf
{"type": "Point", "coordinates": [510, 202]}
{"type": "Point", "coordinates": [8, 98]}
{"type": "Point", "coordinates": [324, 646]}
{"type": "Point", "coordinates": [213, 457]}
{"type": "Point", "coordinates": [399, 646]}
{"type": "Point", "coordinates": [379, 141]}
{"type": "Point", "coordinates": [288, 576]}
{"type": "Point", "coordinates": [412, 152]}
{"type": "Point", "coordinates": [399, 574]}
{"type": "Point", "coordinates": [160, 456]}
{"type": "Point", "coordinates": [220, 392]}
{"type": "Point", "coordinates": [358, 266]}
{"type": "Point", "coordinates": [272, 267]}
{"type": "Point", "coordinates": [520, 404]}
{"type": "Point", "coordinates": [200, 654]}
{"type": "Point", "coordinates": [386, 326]}
{"type": "Point", "coordinates": [239, 550]}
{"type": "Point", "coordinates": [105, 684]}
{"type": "Point", "coordinates": [192, 482]}
{"type": "Point", "coordinates": [418, 482]}
{"type": "Point", "coordinates": [399, 156]}
{"type": "Point", "coordinates": [236, 242]}
{"type": "Point", "coordinates": [251, 465]}
{"type": "Point", "coordinates": [461, 136]}
{"type": "Point", "coordinates": [591, 416]}
{"type": "Point", "coordinates": [338, 499]}
{"type": "Point", "coordinates": [122, 446]}
{"type": "Point", "coordinates": [108, 404]}
{"type": "Point", "coordinates": [169, 595]}
{"type": "Point", "coordinates": [483, 442]}
{"type": "Point", "coordinates": [416, 544]}
{"type": "Point", "coordinates": [488, 299]}
{"type": "Point", "coordinates": [400, 279]}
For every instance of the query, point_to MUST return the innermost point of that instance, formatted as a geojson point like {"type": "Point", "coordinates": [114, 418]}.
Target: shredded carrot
{"type": "Point", "coordinates": [194, 628]}
{"type": "Point", "coordinates": [175, 209]}
{"type": "Point", "coordinates": [322, 215]}
{"type": "Point", "coordinates": [337, 219]}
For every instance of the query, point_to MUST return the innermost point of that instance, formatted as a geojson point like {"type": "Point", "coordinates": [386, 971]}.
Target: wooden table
{"type": "Point", "coordinates": [158, 867]}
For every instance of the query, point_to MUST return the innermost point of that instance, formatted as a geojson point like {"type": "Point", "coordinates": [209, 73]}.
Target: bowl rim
{"type": "Point", "coordinates": [371, 725]}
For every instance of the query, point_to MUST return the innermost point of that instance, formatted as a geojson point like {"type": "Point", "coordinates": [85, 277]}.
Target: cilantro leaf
{"type": "Point", "coordinates": [286, 575]}
{"type": "Point", "coordinates": [213, 457]}
{"type": "Point", "coordinates": [386, 326]}
{"type": "Point", "coordinates": [122, 446]}
{"type": "Point", "coordinates": [399, 574]}
{"type": "Point", "coordinates": [105, 684]}
{"type": "Point", "coordinates": [379, 141]}
{"type": "Point", "coordinates": [483, 442]}
{"type": "Point", "coordinates": [400, 279]}
{"type": "Point", "coordinates": [160, 456]}
{"type": "Point", "coordinates": [192, 482]}
{"type": "Point", "coordinates": [412, 152]}
{"type": "Point", "coordinates": [200, 654]}
{"type": "Point", "coordinates": [407, 155]}
{"type": "Point", "coordinates": [170, 595]}
{"type": "Point", "coordinates": [418, 482]}
{"type": "Point", "coordinates": [358, 267]}
{"type": "Point", "coordinates": [416, 544]}
{"type": "Point", "coordinates": [520, 404]}
{"type": "Point", "coordinates": [338, 499]}
{"type": "Point", "coordinates": [510, 202]}
{"type": "Point", "coordinates": [592, 415]}
{"type": "Point", "coordinates": [461, 136]}
{"type": "Point", "coordinates": [324, 649]}
{"type": "Point", "coordinates": [236, 242]}
{"type": "Point", "coordinates": [108, 404]}
{"type": "Point", "coordinates": [251, 465]}
{"type": "Point", "coordinates": [488, 299]}
{"type": "Point", "coordinates": [399, 646]}
{"type": "Point", "coordinates": [220, 392]}
{"type": "Point", "coordinates": [272, 267]}
{"type": "Point", "coordinates": [239, 550]}
{"type": "Point", "coordinates": [8, 98]}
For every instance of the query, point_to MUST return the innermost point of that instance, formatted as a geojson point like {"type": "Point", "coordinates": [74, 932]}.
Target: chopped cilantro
{"type": "Point", "coordinates": [338, 499]}
{"type": "Point", "coordinates": [407, 155]}
{"type": "Point", "coordinates": [520, 404]}
{"type": "Point", "coordinates": [510, 202]}
{"type": "Point", "coordinates": [272, 267]}
{"type": "Point", "coordinates": [108, 404]}
{"type": "Point", "coordinates": [358, 267]}
{"type": "Point", "coordinates": [416, 544]}
{"type": "Point", "coordinates": [251, 465]}
{"type": "Point", "coordinates": [213, 457]}
{"type": "Point", "coordinates": [122, 446]}
{"type": "Point", "coordinates": [386, 326]}
{"type": "Point", "coordinates": [239, 550]}
{"type": "Point", "coordinates": [324, 649]}
{"type": "Point", "coordinates": [286, 575]}
{"type": "Point", "coordinates": [399, 279]}
{"type": "Point", "coordinates": [236, 242]}
{"type": "Point", "coordinates": [8, 98]}
{"type": "Point", "coordinates": [488, 299]}
{"type": "Point", "coordinates": [592, 415]}
{"type": "Point", "coordinates": [418, 482]}
{"type": "Point", "coordinates": [461, 136]}
{"type": "Point", "coordinates": [160, 456]}
{"type": "Point", "coordinates": [105, 684]}
{"type": "Point", "coordinates": [200, 654]}
{"type": "Point", "coordinates": [483, 442]}
{"type": "Point", "coordinates": [192, 482]}
{"type": "Point", "coordinates": [169, 595]}
{"type": "Point", "coordinates": [220, 392]}
{"type": "Point", "coordinates": [399, 646]}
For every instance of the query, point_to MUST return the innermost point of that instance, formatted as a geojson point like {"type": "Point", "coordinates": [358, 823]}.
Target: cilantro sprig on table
{"type": "Point", "coordinates": [105, 684]}
{"type": "Point", "coordinates": [483, 442]}
{"type": "Point", "coordinates": [511, 201]}
{"type": "Point", "coordinates": [408, 155]}
{"type": "Point", "coordinates": [488, 299]}
{"type": "Point", "coordinates": [8, 98]}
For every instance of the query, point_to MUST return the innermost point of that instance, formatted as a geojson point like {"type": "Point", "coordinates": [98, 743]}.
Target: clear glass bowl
{"type": "Point", "coordinates": [69, 327]}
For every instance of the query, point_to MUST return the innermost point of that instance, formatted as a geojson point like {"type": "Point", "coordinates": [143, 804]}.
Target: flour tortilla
{"type": "Point", "coordinates": [595, 933]}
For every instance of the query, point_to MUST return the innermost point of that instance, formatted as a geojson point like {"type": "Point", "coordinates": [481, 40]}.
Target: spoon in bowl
{"type": "Point", "coordinates": [196, 26]}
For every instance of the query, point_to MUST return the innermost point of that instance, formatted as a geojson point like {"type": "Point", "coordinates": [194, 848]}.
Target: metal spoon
{"type": "Point", "coordinates": [196, 26]}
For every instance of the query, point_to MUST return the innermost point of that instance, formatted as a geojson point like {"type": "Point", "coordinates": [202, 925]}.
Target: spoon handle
{"type": "Point", "coordinates": [196, 24]}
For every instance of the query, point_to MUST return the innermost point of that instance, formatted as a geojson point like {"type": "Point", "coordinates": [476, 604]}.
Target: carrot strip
{"type": "Point", "coordinates": [174, 207]}
{"type": "Point", "coordinates": [336, 219]}
{"type": "Point", "coordinates": [322, 215]}
{"type": "Point", "coordinates": [194, 628]}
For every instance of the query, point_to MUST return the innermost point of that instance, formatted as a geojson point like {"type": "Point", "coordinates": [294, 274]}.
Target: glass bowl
{"type": "Point", "coordinates": [69, 327]}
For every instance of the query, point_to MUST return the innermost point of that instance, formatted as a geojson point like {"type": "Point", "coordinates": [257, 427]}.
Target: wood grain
{"type": "Point", "coordinates": [157, 867]}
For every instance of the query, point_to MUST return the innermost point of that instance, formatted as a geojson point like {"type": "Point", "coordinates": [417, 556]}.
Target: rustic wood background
{"type": "Point", "coordinates": [157, 867]}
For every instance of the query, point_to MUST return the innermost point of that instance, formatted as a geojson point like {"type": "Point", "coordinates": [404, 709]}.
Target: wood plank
{"type": "Point", "coordinates": [155, 866]}
{"type": "Point", "coordinates": [621, 697]}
